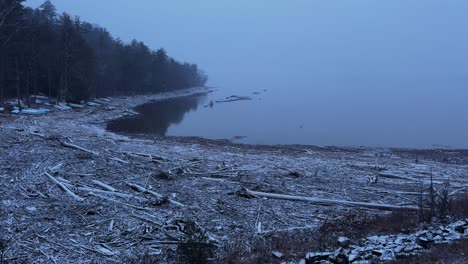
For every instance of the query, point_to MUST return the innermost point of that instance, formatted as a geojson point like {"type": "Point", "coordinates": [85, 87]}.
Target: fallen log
{"type": "Point", "coordinates": [119, 160]}
{"type": "Point", "coordinates": [117, 194]}
{"type": "Point", "coordinates": [65, 188]}
{"type": "Point", "coordinates": [400, 177]}
{"type": "Point", "coordinates": [104, 186]}
{"type": "Point", "coordinates": [321, 201]}
{"type": "Point", "coordinates": [143, 190]}
{"type": "Point", "coordinates": [394, 176]}
{"type": "Point", "coordinates": [73, 146]}
{"type": "Point", "coordinates": [119, 202]}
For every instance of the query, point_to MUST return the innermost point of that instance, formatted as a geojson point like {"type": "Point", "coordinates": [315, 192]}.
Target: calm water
{"type": "Point", "coordinates": [340, 117]}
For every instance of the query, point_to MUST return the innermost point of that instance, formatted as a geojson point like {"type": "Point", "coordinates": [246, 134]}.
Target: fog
{"type": "Point", "coordinates": [387, 73]}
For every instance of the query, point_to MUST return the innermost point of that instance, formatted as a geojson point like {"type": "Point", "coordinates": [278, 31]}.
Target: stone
{"type": "Point", "coordinates": [388, 255]}
{"type": "Point", "coordinates": [312, 258]}
{"type": "Point", "coordinates": [344, 242]}
{"type": "Point", "coordinates": [401, 239]}
{"type": "Point", "coordinates": [437, 238]}
{"type": "Point", "coordinates": [278, 254]}
{"type": "Point", "coordinates": [424, 241]}
{"type": "Point", "coordinates": [353, 256]}
{"type": "Point", "coordinates": [399, 249]}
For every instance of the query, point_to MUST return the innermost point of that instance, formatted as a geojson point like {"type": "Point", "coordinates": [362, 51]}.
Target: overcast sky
{"type": "Point", "coordinates": [263, 41]}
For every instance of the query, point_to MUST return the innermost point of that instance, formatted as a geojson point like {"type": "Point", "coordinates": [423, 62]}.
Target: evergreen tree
{"type": "Point", "coordinates": [63, 57]}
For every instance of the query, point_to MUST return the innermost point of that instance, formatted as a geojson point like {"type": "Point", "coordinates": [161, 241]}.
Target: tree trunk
{"type": "Point", "coordinates": [2, 80]}
{"type": "Point", "coordinates": [28, 86]}
{"type": "Point", "coordinates": [49, 80]}
{"type": "Point", "coordinates": [18, 87]}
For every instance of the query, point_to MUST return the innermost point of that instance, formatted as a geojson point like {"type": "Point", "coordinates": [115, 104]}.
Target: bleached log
{"type": "Point", "coordinates": [119, 160]}
{"type": "Point", "coordinates": [73, 146]}
{"type": "Point", "coordinates": [321, 201]}
{"type": "Point", "coordinates": [400, 177]}
{"type": "Point", "coordinates": [393, 176]}
{"type": "Point", "coordinates": [56, 167]}
{"type": "Point", "coordinates": [65, 188]}
{"type": "Point", "coordinates": [151, 156]}
{"type": "Point", "coordinates": [117, 194]}
{"type": "Point", "coordinates": [119, 202]}
{"type": "Point", "coordinates": [147, 220]}
{"type": "Point", "coordinates": [104, 186]}
{"type": "Point", "coordinates": [143, 190]}
{"type": "Point", "coordinates": [37, 134]}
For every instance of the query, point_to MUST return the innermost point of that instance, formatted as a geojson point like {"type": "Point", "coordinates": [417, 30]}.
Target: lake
{"type": "Point", "coordinates": [328, 117]}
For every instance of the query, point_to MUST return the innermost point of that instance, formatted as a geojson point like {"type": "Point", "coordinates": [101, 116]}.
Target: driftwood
{"type": "Point", "coordinates": [144, 190]}
{"type": "Point", "coordinates": [119, 202]}
{"type": "Point", "coordinates": [65, 188]}
{"type": "Point", "coordinates": [393, 176]}
{"type": "Point", "coordinates": [119, 160]}
{"type": "Point", "coordinates": [104, 186]}
{"type": "Point", "coordinates": [73, 146]}
{"type": "Point", "coordinates": [37, 134]}
{"type": "Point", "coordinates": [117, 194]}
{"type": "Point", "coordinates": [151, 156]}
{"type": "Point", "coordinates": [321, 201]}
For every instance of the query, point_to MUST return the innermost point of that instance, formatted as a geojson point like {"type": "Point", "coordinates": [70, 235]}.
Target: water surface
{"type": "Point", "coordinates": [333, 116]}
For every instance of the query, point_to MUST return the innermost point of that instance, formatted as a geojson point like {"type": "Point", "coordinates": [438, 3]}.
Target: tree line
{"type": "Point", "coordinates": [42, 52]}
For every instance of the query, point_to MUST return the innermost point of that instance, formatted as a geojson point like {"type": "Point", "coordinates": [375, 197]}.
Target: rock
{"type": "Point", "coordinates": [400, 240]}
{"type": "Point", "coordinates": [424, 241]}
{"type": "Point", "coordinates": [461, 228]}
{"type": "Point", "coordinates": [278, 254]}
{"type": "Point", "coordinates": [341, 258]}
{"type": "Point", "coordinates": [388, 255]}
{"type": "Point", "coordinates": [429, 235]}
{"type": "Point", "coordinates": [312, 258]}
{"type": "Point", "coordinates": [399, 249]}
{"type": "Point", "coordinates": [413, 247]}
{"type": "Point", "coordinates": [344, 242]}
{"type": "Point", "coordinates": [382, 240]}
{"type": "Point", "coordinates": [437, 238]}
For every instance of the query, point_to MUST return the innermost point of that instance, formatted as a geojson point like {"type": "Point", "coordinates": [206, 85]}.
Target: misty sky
{"type": "Point", "coordinates": [379, 57]}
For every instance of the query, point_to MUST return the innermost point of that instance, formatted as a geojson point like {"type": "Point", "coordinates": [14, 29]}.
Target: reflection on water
{"type": "Point", "coordinates": [330, 116]}
{"type": "Point", "coordinates": [157, 117]}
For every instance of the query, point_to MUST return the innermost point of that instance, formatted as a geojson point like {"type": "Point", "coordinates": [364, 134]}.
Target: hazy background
{"type": "Point", "coordinates": [387, 73]}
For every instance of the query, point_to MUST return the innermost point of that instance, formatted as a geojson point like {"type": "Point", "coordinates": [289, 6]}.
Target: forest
{"type": "Point", "coordinates": [62, 57]}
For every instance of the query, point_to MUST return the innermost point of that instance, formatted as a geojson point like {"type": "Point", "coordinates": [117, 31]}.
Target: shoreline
{"type": "Point", "coordinates": [205, 176]}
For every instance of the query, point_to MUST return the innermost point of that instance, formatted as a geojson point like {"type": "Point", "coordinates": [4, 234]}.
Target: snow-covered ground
{"type": "Point", "coordinates": [205, 179]}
